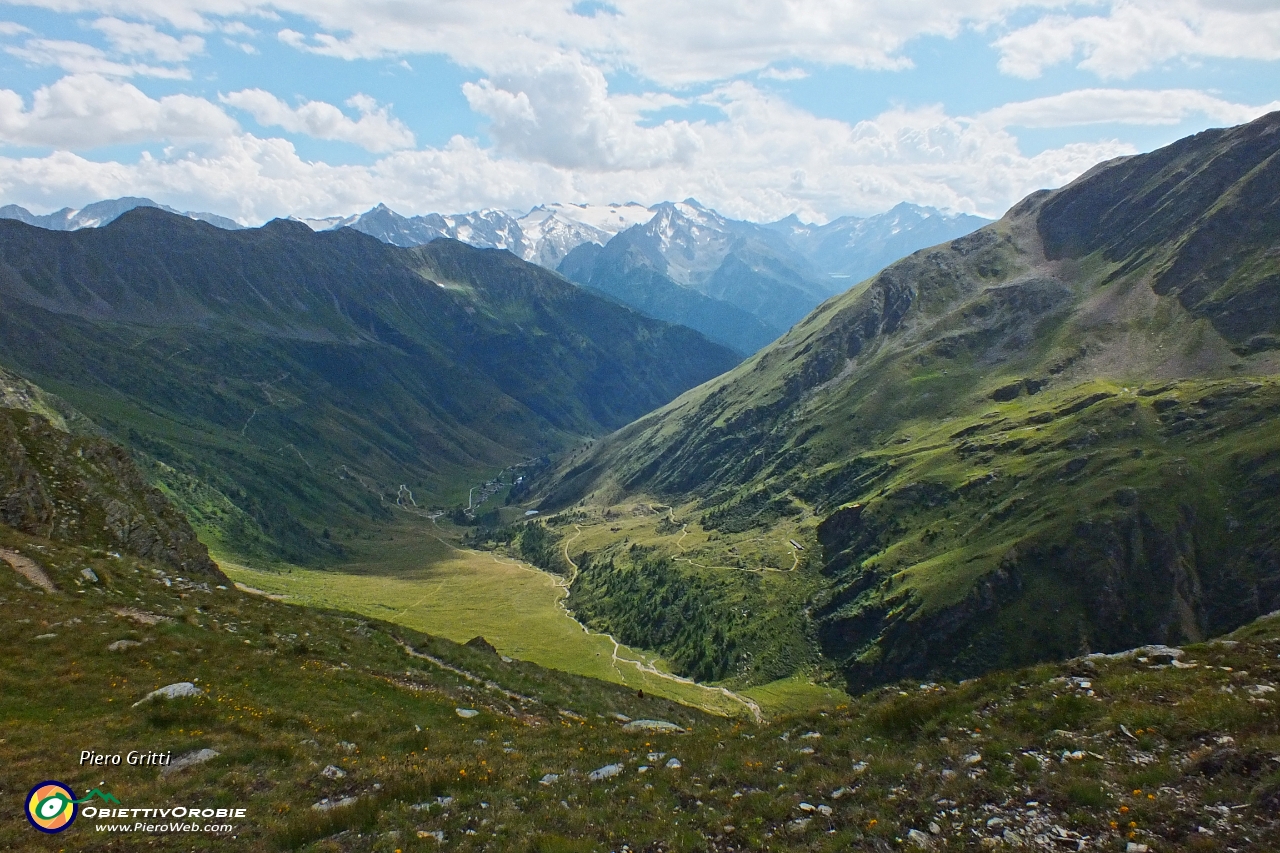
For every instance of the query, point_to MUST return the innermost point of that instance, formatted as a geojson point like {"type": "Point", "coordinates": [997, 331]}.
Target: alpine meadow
{"type": "Point", "coordinates": [829, 427]}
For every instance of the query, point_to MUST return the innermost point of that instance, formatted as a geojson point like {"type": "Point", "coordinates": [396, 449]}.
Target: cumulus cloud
{"type": "Point", "coordinates": [375, 130]}
{"type": "Point", "coordinates": [561, 113]}
{"type": "Point", "coordinates": [1138, 34]}
{"type": "Point", "coordinates": [764, 160]}
{"type": "Point", "coordinates": [86, 111]}
{"type": "Point", "coordinates": [1122, 106]}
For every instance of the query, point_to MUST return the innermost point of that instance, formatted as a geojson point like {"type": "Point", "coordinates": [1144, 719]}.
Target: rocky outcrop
{"type": "Point", "coordinates": [87, 491]}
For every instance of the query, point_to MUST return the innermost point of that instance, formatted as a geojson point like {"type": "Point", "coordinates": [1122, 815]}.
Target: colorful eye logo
{"type": "Point", "coordinates": [51, 806]}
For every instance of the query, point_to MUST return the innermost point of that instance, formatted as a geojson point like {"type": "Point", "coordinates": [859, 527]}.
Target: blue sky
{"type": "Point", "coordinates": [759, 108]}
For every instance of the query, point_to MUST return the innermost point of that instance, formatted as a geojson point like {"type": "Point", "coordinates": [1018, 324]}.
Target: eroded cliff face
{"type": "Point", "coordinates": [87, 491]}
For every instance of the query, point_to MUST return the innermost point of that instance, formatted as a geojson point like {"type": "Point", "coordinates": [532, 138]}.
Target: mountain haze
{"type": "Point", "coordinates": [854, 248]}
{"type": "Point", "coordinates": [1053, 435]}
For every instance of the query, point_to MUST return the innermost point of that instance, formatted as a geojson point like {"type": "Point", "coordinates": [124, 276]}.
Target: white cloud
{"type": "Point", "coordinates": [144, 39]}
{"type": "Point", "coordinates": [1139, 34]}
{"type": "Point", "coordinates": [674, 42]}
{"type": "Point", "coordinates": [784, 74]}
{"type": "Point", "coordinates": [764, 160]}
{"type": "Point", "coordinates": [1122, 106]}
{"type": "Point", "coordinates": [10, 28]}
{"type": "Point", "coordinates": [86, 111]}
{"type": "Point", "coordinates": [561, 113]}
{"type": "Point", "coordinates": [670, 41]}
{"type": "Point", "coordinates": [375, 130]}
{"type": "Point", "coordinates": [78, 58]}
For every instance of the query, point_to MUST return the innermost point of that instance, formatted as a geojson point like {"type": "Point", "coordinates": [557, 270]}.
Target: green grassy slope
{"type": "Point", "coordinates": [288, 381]}
{"type": "Point", "coordinates": [1053, 435]}
{"type": "Point", "coordinates": [342, 733]}
{"type": "Point", "coordinates": [1116, 751]}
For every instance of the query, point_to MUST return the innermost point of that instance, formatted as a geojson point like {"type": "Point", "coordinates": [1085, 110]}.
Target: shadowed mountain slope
{"type": "Point", "coordinates": [290, 380]}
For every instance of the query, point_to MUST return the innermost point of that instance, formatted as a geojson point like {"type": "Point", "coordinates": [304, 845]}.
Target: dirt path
{"type": "Point", "coordinates": [28, 569]}
{"type": "Point", "coordinates": [684, 531]}
{"type": "Point", "coordinates": [643, 666]}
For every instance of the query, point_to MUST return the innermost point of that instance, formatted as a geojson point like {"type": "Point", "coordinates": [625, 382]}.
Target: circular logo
{"type": "Point", "coordinates": [51, 806]}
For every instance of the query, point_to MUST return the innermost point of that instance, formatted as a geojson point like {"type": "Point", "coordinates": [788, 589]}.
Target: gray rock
{"type": "Point", "coordinates": [180, 690]}
{"type": "Point", "coordinates": [90, 575]}
{"type": "Point", "coordinates": [191, 759]}
{"type": "Point", "coordinates": [333, 772]}
{"type": "Point", "coordinates": [326, 804]}
{"type": "Point", "coordinates": [652, 726]}
{"type": "Point", "coordinates": [549, 779]}
{"type": "Point", "coordinates": [606, 772]}
{"type": "Point", "coordinates": [674, 764]}
{"type": "Point", "coordinates": [466, 713]}
{"type": "Point", "coordinates": [919, 839]}
{"type": "Point", "coordinates": [123, 645]}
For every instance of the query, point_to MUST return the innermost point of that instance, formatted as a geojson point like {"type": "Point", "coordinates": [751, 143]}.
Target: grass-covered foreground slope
{"type": "Point", "coordinates": [307, 708]}
{"type": "Point", "coordinates": [285, 381]}
{"type": "Point", "coordinates": [1053, 436]}
{"type": "Point", "coordinates": [342, 733]}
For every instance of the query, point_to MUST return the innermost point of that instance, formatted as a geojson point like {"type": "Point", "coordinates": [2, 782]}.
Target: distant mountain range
{"type": "Point", "coordinates": [101, 213]}
{"type": "Point", "coordinates": [740, 283]}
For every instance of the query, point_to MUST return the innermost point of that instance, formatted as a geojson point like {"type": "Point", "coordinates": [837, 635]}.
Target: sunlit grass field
{"type": "Point", "coordinates": [415, 578]}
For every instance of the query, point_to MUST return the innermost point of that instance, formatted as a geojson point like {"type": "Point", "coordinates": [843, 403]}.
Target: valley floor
{"type": "Point", "coordinates": [415, 575]}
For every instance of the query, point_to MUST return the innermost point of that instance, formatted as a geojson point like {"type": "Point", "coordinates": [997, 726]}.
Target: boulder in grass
{"type": "Point", "coordinates": [654, 726]}
{"type": "Point", "coordinates": [191, 759]}
{"type": "Point", "coordinates": [606, 772]}
{"type": "Point", "coordinates": [180, 690]}
{"type": "Point", "coordinates": [466, 713]}
{"type": "Point", "coordinates": [327, 804]}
